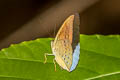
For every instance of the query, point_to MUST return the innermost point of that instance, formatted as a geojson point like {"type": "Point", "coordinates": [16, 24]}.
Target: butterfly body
{"type": "Point", "coordinates": [66, 47]}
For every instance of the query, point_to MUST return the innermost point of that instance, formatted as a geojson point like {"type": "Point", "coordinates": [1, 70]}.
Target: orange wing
{"type": "Point", "coordinates": [66, 30]}
{"type": "Point", "coordinates": [70, 31]}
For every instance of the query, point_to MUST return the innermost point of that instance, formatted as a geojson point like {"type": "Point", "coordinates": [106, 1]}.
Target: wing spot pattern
{"type": "Point", "coordinates": [68, 57]}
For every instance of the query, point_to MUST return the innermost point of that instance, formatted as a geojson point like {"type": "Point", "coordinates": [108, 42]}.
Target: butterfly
{"type": "Point", "coordinates": [66, 46]}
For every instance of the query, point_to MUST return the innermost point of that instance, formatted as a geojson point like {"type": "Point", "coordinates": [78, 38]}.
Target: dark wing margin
{"type": "Point", "coordinates": [76, 32]}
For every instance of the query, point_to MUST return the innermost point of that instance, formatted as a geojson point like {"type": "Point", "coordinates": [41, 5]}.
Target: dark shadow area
{"type": "Point", "coordinates": [44, 18]}
{"type": "Point", "coordinates": [102, 18]}
{"type": "Point", "coordinates": [15, 13]}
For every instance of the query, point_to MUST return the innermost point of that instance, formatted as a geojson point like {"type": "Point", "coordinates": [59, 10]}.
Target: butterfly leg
{"type": "Point", "coordinates": [54, 63]}
{"type": "Point", "coordinates": [45, 58]}
{"type": "Point", "coordinates": [46, 54]}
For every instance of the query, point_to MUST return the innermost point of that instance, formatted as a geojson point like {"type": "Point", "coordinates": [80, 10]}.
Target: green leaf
{"type": "Point", "coordinates": [99, 60]}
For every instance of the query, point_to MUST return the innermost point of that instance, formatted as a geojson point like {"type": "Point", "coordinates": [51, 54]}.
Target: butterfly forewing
{"type": "Point", "coordinates": [66, 30]}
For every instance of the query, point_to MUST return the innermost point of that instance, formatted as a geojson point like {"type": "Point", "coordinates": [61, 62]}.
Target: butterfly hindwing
{"type": "Point", "coordinates": [65, 52]}
{"type": "Point", "coordinates": [75, 43]}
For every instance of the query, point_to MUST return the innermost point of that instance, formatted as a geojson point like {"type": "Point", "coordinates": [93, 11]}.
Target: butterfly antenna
{"type": "Point", "coordinates": [49, 32]}
{"type": "Point", "coordinates": [54, 31]}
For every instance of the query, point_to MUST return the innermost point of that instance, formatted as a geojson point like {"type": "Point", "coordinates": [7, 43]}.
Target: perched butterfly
{"type": "Point", "coordinates": [66, 46]}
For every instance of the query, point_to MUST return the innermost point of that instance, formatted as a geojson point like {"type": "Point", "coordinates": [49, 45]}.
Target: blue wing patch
{"type": "Point", "coordinates": [75, 57]}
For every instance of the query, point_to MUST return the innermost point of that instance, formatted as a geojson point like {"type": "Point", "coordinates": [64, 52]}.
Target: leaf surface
{"type": "Point", "coordinates": [99, 60]}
